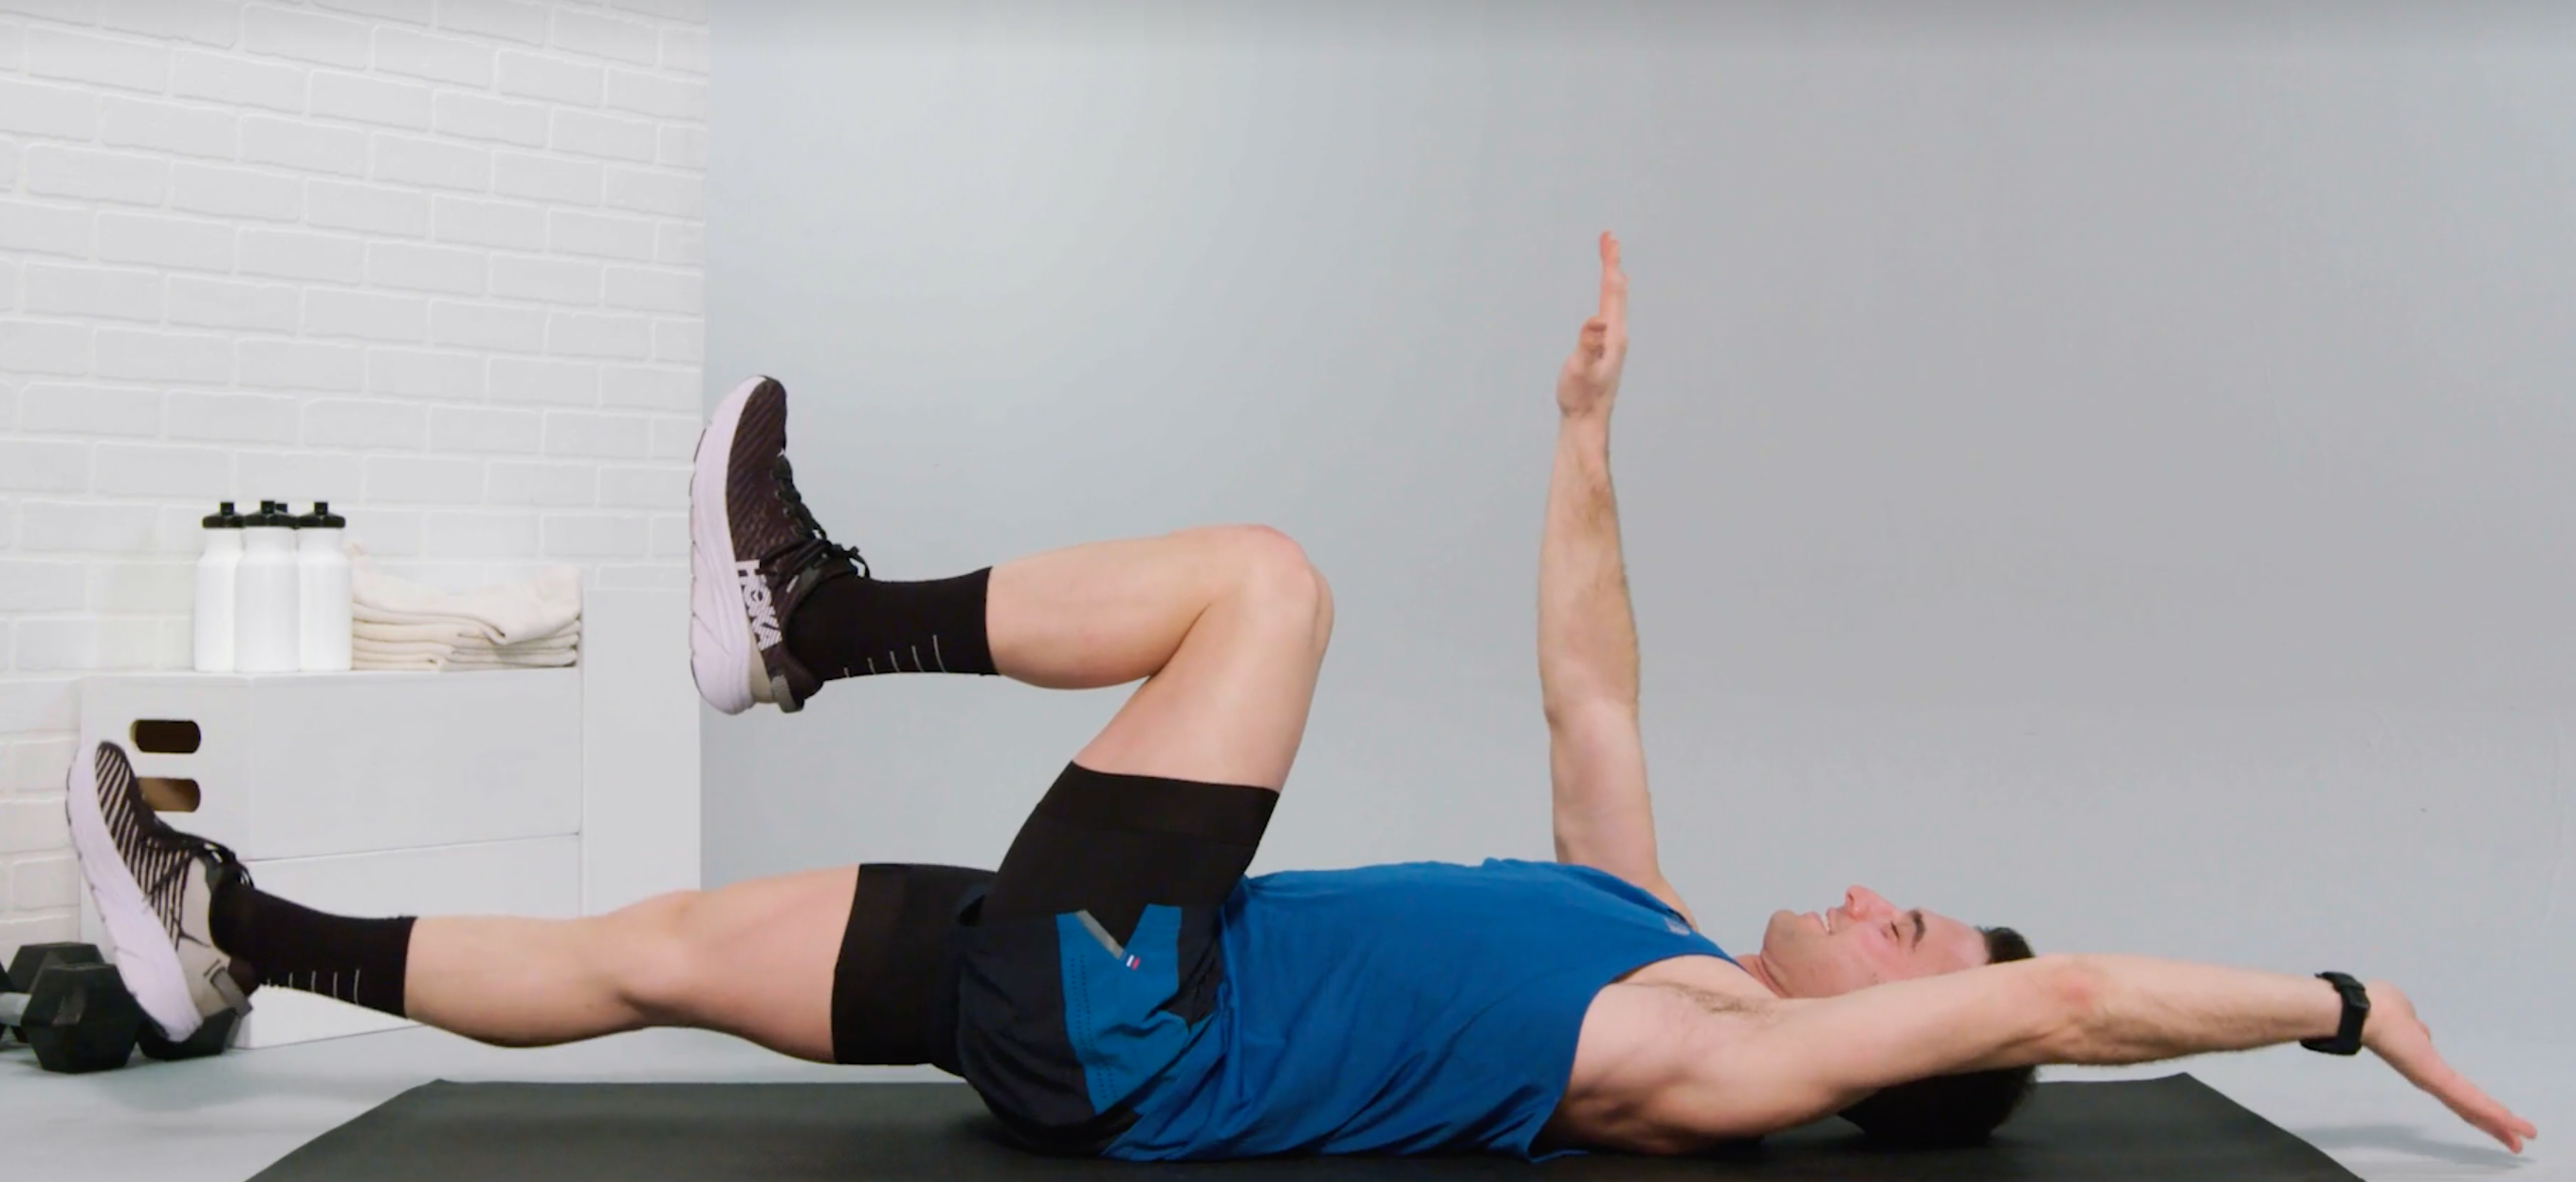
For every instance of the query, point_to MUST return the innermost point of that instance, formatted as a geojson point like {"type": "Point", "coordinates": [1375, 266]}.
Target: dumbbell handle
{"type": "Point", "coordinates": [13, 1009]}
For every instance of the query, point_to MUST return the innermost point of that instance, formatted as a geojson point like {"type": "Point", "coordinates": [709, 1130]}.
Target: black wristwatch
{"type": "Point", "coordinates": [2356, 1010]}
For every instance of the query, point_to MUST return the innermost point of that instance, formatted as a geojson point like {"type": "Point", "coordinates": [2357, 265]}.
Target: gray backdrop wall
{"type": "Point", "coordinates": [2105, 477]}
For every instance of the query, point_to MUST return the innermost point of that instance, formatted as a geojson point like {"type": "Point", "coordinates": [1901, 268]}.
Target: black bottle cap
{"type": "Point", "coordinates": [272, 515]}
{"type": "Point", "coordinates": [321, 518]}
{"type": "Point", "coordinates": [224, 518]}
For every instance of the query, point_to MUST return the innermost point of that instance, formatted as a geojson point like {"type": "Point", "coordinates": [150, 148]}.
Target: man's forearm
{"type": "Point", "coordinates": [1587, 637]}
{"type": "Point", "coordinates": [2140, 1009]}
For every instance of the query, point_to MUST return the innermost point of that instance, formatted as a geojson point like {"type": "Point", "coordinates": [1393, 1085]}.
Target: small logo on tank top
{"type": "Point", "coordinates": [1674, 925]}
{"type": "Point", "coordinates": [1132, 962]}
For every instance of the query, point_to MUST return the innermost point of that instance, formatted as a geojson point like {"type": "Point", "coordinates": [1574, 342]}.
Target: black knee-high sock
{"type": "Point", "coordinates": [853, 627]}
{"type": "Point", "coordinates": [274, 942]}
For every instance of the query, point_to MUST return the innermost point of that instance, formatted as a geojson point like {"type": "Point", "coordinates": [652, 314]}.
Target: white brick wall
{"type": "Point", "coordinates": [437, 261]}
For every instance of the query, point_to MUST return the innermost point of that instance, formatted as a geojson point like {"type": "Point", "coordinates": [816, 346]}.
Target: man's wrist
{"type": "Point", "coordinates": [2379, 992]}
{"type": "Point", "coordinates": [2351, 1017]}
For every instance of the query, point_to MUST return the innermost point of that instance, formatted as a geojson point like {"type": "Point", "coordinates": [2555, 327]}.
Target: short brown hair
{"type": "Point", "coordinates": [1957, 1109]}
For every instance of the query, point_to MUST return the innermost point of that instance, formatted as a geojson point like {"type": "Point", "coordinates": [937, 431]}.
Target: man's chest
{"type": "Point", "coordinates": [1713, 975]}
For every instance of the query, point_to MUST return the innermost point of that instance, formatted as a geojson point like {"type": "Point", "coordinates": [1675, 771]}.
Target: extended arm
{"type": "Point", "coordinates": [1819, 1057]}
{"type": "Point", "coordinates": [1587, 635]}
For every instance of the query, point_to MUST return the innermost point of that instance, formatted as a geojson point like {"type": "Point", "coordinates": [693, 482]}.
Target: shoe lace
{"type": "Point", "coordinates": [816, 549]}
{"type": "Point", "coordinates": [226, 863]}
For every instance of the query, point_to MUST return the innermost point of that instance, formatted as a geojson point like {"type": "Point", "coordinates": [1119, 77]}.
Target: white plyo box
{"type": "Point", "coordinates": [304, 765]}
{"type": "Point", "coordinates": [449, 767]}
{"type": "Point", "coordinates": [374, 793]}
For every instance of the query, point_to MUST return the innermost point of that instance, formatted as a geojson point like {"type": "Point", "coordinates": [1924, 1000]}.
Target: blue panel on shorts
{"type": "Point", "coordinates": [1112, 998]}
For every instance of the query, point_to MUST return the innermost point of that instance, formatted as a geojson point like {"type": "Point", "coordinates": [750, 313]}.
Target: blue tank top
{"type": "Point", "coordinates": [1399, 1009]}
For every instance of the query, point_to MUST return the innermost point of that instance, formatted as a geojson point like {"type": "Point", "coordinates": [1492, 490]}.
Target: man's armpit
{"type": "Point", "coordinates": [1752, 1012]}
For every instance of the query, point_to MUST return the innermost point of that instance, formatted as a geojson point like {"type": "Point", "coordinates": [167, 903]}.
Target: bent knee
{"type": "Point", "coordinates": [1275, 571]}
{"type": "Point", "coordinates": [1323, 619]}
{"type": "Point", "coordinates": [656, 961]}
{"type": "Point", "coordinates": [1246, 547]}
{"type": "Point", "coordinates": [1260, 556]}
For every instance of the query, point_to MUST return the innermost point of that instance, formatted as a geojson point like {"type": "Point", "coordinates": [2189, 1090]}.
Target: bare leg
{"type": "Point", "coordinates": [1230, 623]}
{"type": "Point", "coordinates": [754, 959]}
{"type": "Point", "coordinates": [1106, 613]}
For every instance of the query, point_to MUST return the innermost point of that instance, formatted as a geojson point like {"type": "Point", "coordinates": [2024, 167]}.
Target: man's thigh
{"type": "Point", "coordinates": [1111, 845]}
{"type": "Point", "coordinates": [756, 959]}
{"type": "Point", "coordinates": [848, 965]}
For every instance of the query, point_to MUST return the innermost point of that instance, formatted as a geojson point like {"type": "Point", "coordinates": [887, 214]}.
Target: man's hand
{"type": "Point", "coordinates": [2396, 1035]}
{"type": "Point", "coordinates": [1590, 380]}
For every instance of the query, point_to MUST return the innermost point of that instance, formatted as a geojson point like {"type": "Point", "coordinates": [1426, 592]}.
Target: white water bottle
{"type": "Point", "coordinates": [265, 620]}
{"type": "Point", "coordinates": [322, 591]}
{"type": "Point", "coordinates": [216, 570]}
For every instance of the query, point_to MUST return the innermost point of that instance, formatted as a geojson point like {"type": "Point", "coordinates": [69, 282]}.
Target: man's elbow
{"type": "Point", "coordinates": [2069, 997]}
{"type": "Point", "coordinates": [1578, 711]}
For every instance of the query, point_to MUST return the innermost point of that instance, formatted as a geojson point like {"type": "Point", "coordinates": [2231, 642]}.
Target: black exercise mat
{"type": "Point", "coordinates": [2174, 1129]}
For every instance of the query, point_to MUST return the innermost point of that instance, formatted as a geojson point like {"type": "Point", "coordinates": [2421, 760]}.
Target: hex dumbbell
{"type": "Point", "coordinates": [77, 1014]}
{"type": "Point", "coordinates": [210, 1039]}
{"type": "Point", "coordinates": [75, 1011]}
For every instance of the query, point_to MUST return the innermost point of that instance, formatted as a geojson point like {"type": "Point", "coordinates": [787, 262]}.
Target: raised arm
{"type": "Point", "coordinates": [1819, 1057]}
{"type": "Point", "coordinates": [1587, 637]}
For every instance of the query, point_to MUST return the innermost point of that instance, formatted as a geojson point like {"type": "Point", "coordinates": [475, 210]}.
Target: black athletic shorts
{"type": "Point", "coordinates": [1061, 982]}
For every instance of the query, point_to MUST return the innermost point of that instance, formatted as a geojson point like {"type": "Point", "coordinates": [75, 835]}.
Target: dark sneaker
{"type": "Point", "coordinates": [754, 553]}
{"type": "Point", "coordinates": [155, 888]}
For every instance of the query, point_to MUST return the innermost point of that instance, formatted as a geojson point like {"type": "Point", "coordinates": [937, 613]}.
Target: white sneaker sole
{"type": "Point", "coordinates": [720, 655]}
{"type": "Point", "coordinates": [144, 957]}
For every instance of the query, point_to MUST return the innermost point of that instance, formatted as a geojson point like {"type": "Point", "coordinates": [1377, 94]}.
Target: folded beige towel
{"type": "Point", "coordinates": [550, 652]}
{"type": "Point", "coordinates": [372, 617]}
{"type": "Point", "coordinates": [561, 660]}
{"type": "Point", "coordinates": [358, 660]}
{"type": "Point", "coordinates": [378, 624]}
{"type": "Point", "coordinates": [563, 644]}
{"type": "Point", "coordinates": [399, 652]}
{"type": "Point", "coordinates": [505, 613]}
{"type": "Point", "coordinates": [446, 633]}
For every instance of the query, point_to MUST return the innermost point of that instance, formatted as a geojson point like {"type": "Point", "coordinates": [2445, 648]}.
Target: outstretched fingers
{"type": "Point", "coordinates": [2427, 1070]}
{"type": "Point", "coordinates": [1590, 378]}
{"type": "Point", "coordinates": [1614, 287]}
{"type": "Point", "coordinates": [2488, 1114]}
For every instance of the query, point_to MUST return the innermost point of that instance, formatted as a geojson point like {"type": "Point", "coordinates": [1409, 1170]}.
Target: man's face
{"type": "Point", "coordinates": [1865, 941]}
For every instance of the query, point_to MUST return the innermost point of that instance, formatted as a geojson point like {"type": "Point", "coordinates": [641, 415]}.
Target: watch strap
{"type": "Point", "coordinates": [2356, 1010]}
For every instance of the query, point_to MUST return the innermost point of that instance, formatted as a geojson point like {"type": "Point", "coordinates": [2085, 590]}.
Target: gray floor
{"type": "Point", "coordinates": [223, 1119]}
